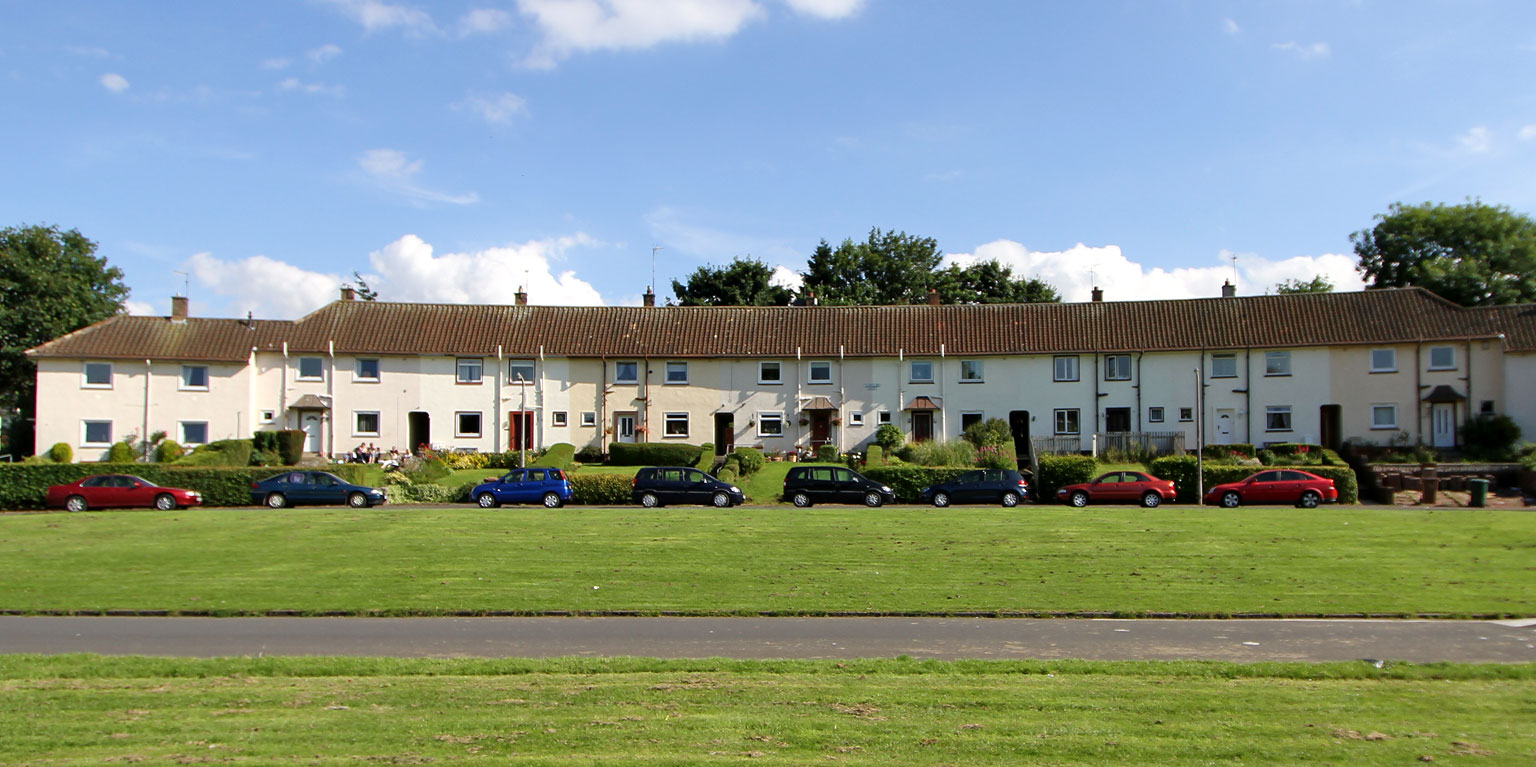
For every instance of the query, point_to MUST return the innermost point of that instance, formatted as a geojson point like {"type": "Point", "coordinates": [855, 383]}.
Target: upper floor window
{"type": "Point", "coordinates": [98, 375]}
{"type": "Point", "coordinates": [626, 372]}
{"type": "Point", "coordinates": [921, 371]}
{"type": "Point", "coordinates": [1442, 358]}
{"type": "Point", "coordinates": [1277, 363]}
{"type": "Point", "coordinates": [194, 377]}
{"type": "Point", "coordinates": [677, 372]}
{"type": "Point", "coordinates": [770, 373]}
{"type": "Point", "coordinates": [819, 372]}
{"type": "Point", "coordinates": [367, 369]}
{"type": "Point", "coordinates": [1223, 365]}
{"type": "Point", "coordinates": [1383, 360]}
{"type": "Point", "coordinates": [1117, 367]}
{"type": "Point", "coordinates": [1066, 368]}
{"type": "Point", "coordinates": [311, 369]}
{"type": "Point", "coordinates": [469, 370]}
{"type": "Point", "coordinates": [520, 371]}
{"type": "Point", "coordinates": [971, 371]}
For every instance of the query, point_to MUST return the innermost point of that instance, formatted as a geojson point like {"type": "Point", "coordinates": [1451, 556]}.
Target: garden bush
{"type": "Point", "coordinates": [510, 459]}
{"type": "Point", "coordinates": [706, 457]}
{"type": "Point", "coordinates": [225, 452]}
{"type": "Point", "coordinates": [942, 453]}
{"type": "Point", "coordinates": [168, 451]}
{"type": "Point", "coordinates": [997, 456]}
{"type": "Point", "coordinates": [733, 462]}
{"type": "Point", "coordinates": [561, 455]}
{"type": "Point", "coordinates": [456, 460]}
{"type": "Point", "coordinates": [909, 481]}
{"type": "Point", "coordinates": [751, 460]}
{"type": "Point", "coordinates": [1181, 470]}
{"type": "Point", "coordinates": [889, 437]}
{"type": "Point", "coordinates": [727, 474]}
{"type": "Point", "coordinates": [122, 452]}
{"type": "Point", "coordinates": [601, 489]}
{"type": "Point", "coordinates": [590, 454]}
{"type": "Point", "coordinates": [874, 456]}
{"type": "Point", "coordinates": [993, 431]}
{"type": "Point", "coordinates": [61, 453]}
{"type": "Point", "coordinates": [826, 453]}
{"type": "Point", "coordinates": [266, 458]}
{"type": "Point", "coordinates": [1223, 452]}
{"type": "Point", "coordinates": [425, 492]}
{"type": "Point", "coordinates": [22, 486]}
{"type": "Point", "coordinates": [652, 454]}
{"type": "Point", "coordinates": [1490, 437]}
{"type": "Point", "coordinates": [265, 441]}
{"type": "Point", "coordinates": [1059, 470]}
{"type": "Point", "coordinates": [290, 445]}
{"type": "Point", "coordinates": [428, 467]}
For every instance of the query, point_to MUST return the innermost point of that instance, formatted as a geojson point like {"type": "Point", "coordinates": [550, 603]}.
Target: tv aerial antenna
{"type": "Point", "coordinates": [653, 265]}
{"type": "Point", "coordinates": [186, 282]}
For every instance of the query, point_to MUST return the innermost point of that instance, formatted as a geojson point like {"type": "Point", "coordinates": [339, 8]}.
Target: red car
{"type": "Point", "coordinates": [1120, 487]}
{"type": "Point", "coordinates": [118, 490]}
{"type": "Point", "coordinates": [1275, 486]}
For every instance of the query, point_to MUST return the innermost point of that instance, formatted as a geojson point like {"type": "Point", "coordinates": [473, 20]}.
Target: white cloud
{"type": "Point", "coordinates": [496, 108]}
{"type": "Point", "coordinates": [1476, 140]}
{"type": "Point", "coordinates": [114, 82]}
{"type": "Point", "coordinates": [826, 9]}
{"type": "Point", "coordinates": [1313, 51]}
{"type": "Point", "coordinates": [375, 15]}
{"type": "Point", "coordinates": [574, 26]}
{"type": "Point", "coordinates": [389, 170]}
{"type": "Point", "coordinates": [266, 287]}
{"type": "Point", "coordinates": [1230, 27]}
{"type": "Point", "coordinates": [408, 270]}
{"type": "Point", "coordinates": [1075, 271]}
{"type": "Point", "coordinates": [324, 53]}
{"type": "Point", "coordinates": [295, 85]}
{"type": "Point", "coordinates": [141, 309]}
{"type": "Point", "coordinates": [484, 21]}
{"type": "Point", "coordinates": [275, 64]}
{"type": "Point", "coordinates": [786, 277]}
{"type": "Point", "coordinates": [1528, 132]}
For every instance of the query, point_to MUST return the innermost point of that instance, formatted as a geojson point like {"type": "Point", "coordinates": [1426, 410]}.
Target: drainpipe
{"type": "Point", "coordinates": [1200, 406]}
{"type": "Point", "coordinates": [538, 398]}
{"type": "Point", "coordinates": [901, 391]}
{"type": "Point", "coordinates": [496, 405]}
{"type": "Point", "coordinates": [602, 407]}
{"type": "Point", "coordinates": [1467, 416]}
{"type": "Point", "coordinates": [842, 401]}
{"type": "Point", "coordinates": [1139, 355]}
{"type": "Point", "coordinates": [282, 394]}
{"type": "Point", "coordinates": [645, 400]}
{"type": "Point", "coordinates": [795, 413]}
{"type": "Point", "coordinates": [250, 389]}
{"type": "Point", "coordinates": [1096, 395]}
{"type": "Point", "coordinates": [147, 371]}
{"type": "Point", "coordinates": [1418, 392]}
{"type": "Point", "coordinates": [1248, 395]}
{"type": "Point", "coordinates": [330, 394]}
{"type": "Point", "coordinates": [943, 411]}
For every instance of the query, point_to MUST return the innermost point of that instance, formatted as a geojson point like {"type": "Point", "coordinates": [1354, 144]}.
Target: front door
{"type": "Point", "coordinates": [725, 433]}
{"type": "Point", "coordinates": [1329, 417]}
{"type": "Point", "coordinates": [1018, 423]}
{"type": "Point", "coordinates": [821, 427]}
{"type": "Point", "coordinates": [310, 422]}
{"type": "Point", "coordinates": [1117, 419]}
{"type": "Point", "coordinates": [419, 425]}
{"type": "Point", "coordinates": [922, 425]}
{"type": "Point", "coordinates": [624, 427]}
{"type": "Point", "coordinates": [520, 430]}
{"type": "Point", "coordinates": [1224, 420]}
{"type": "Point", "coordinates": [1443, 415]}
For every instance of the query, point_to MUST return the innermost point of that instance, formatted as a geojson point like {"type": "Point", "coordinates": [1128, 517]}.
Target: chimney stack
{"type": "Point", "coordinates": [810, 298]}
{"type": "Point", "coordinates": [521, 296]}
{"type": "Point", "coordinates": [1228, 290]}
{"type": "Point", "coordinates": [933, 296]}
{"type": "Point", "coordinates": [348, 293]}
{"type": "Point", "coordinates": [178, 308]}
{"type": "Point", "coordinates": [650, 296]}
{"type": "Point", "coordinates": [1098, 295]}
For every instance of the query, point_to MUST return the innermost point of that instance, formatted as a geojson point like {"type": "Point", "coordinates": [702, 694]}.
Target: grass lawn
{"type": "Point", "coordinates": [418, 560]}
{"type": "Point", "coordinates": [768, 483]}
{"type": "Point", "coordinates": [331, 711]}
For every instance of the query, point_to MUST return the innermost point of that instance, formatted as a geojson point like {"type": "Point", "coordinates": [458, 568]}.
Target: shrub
{"type": "Point", "coordinates": [22, 485]}
{"type": "Point", "coordinates": [733, 462]}
{"type": "Point", "coordinates": [727, 474]}
{"type": "Point", "coordinates": [290, 445]}
{"type": "Point", "coordinates": [874, 456]}
{"type": "Point", "coordinates": [652, 454]}
{"type": "Point", "coordinates": [427, 468]}
{"type": "Point", "coordinates": [1223, 452]}
{"type": "Point", "coordinates": [225, 452]}
{"type": "Point", "coordinates": [510, 459]}
{"type": "Point", "coordinates": [996, 457]}
{"type": "Point", "coordinates": [122, 452]}
{"type": "Point", "coordinates": [266, 458]}
{"type": "Point", "coordinates": [61, 453]}
{"type": "Point", "coordinates": [1490, 436]}
{"type": "Point", "coordinates": [423, 493]}
{"type": "Point", "coordinates": [752, 460]}
{"type": "Point", "coordinates": [826, 453]}
{"type": "Point", "coordinates": [590, 454]}
{"type": "Point", "coordinates": [264, 440]}
{"type": "Point", "coordinates": [601, 489]}
{"type": "Point", "coordinates": [909, 481]}
{"type": "Point", "coordinates": [168, 451]}
{"type": "Point", "coordinates": [942, 453]}
{"type": "Point", "coordinates": [561, 455]}
{"type": "Point", "coordinates": [993, 432]}
{"type": "Point", "coordinates": [706, 457]}
{"type": "Point", "coordinates": [1059, 470]}
{"type": "Point", "coordinates": [889, 437]}
{"type": "Point", "coordinates": [456, 460]}
{"type": "Point", "coordinates": [1181, 470]}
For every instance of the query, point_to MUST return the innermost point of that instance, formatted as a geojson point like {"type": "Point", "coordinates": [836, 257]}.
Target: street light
{"type": "Point", "coordinates": [1199, 440]}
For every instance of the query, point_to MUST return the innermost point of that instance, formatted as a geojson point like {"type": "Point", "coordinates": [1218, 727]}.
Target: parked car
{"type": "Point", "coordinates": [1003, 486]}
{"type": "Point", "coordinates": [119, 490]}
{"type": "Point", "coordinates": [547, 486]}
{"type": "Point", "coordinates": [660, 485]}
{"type": "Point", "coordinates": [1120, 487]}
{"type": "Point", "coordinates": [1275, 486]}
{"type": "Point", "coordinates": [806, 485]}
{"type": "Point", "coordinates": [293, 488]}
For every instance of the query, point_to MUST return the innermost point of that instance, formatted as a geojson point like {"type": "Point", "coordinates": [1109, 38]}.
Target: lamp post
{"type": "Point", "coordinates": [1199, 440]}
{"type": "Point", "coordinates": [522, 424]}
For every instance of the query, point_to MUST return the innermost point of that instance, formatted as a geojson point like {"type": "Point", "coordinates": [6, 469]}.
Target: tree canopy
{"type": "Point", "coordinates": [1318, 284]}
{"type": "Point", "coordinates": [1474, 254]}
{"type": "Point", "coordinates": [743, 282]}
{"type": "Point", "coordinates": [897, 268]}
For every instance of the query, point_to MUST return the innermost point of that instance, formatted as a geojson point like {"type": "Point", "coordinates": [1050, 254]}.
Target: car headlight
{"type": "Point", "coordinates": [735, 489]}
{"type": "Point", "coordinates": [887, 489]}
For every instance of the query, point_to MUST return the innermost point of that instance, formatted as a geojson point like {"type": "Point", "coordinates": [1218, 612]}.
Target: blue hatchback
{"type": "Point", "coordinates": [292, 488]}
{"type": "Point", "coordinates": [547, 486]}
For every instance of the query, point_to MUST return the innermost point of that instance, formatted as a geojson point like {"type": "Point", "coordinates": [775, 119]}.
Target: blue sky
{"type": "Point", "coordinates": [259, 153]}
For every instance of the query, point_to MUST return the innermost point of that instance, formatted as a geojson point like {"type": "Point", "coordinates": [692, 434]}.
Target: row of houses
{"type": "Point", "coordinates": [1377, 366]}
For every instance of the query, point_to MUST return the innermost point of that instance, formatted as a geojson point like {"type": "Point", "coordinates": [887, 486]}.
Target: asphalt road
{"type": "Point", "coordinates": [940, 638]}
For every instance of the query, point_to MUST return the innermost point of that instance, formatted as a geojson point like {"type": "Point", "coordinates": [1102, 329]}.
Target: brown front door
{"type": "Point", "coordinates": [821, 427]}
{"type": "Point", "coordinates": [922, 425]}
{"type": "Point", "coordinates": [520, 429]}
{"type": "Point", "coordinates": [725, 433]}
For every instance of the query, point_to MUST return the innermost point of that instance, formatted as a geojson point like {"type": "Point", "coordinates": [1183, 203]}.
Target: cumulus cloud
{"type": "Point", "coordinates": [375, 15]}
{"type": "Point", "coordinates": [1476, 140]}
{"type": "Point", "coordinates": [141, 309]}
{"type": "Point", "coordinates": [114, 82]}
{"type": "Point", "coordinates": [389, 170]}
{"type": "Point", "coordinates": [1313, 51]}
{"type": "Point", "coordinates": [324, 53]}
{"type": "Point", "coordinates": [1075, 271]}
{"type": "Point", "coordinates": [409, 270]}
{"type": "Point", "coordinates": [496, 108]}
{"type": "Point", "coordinates": [295, 85]}
{"type": "Point", "coordinates": [484, 21]}
{"type": "Point", "coordinates": [826, 9]}
{"type": "Point", "coordinates": [1230, 27]}
{"type": "Point", "coordinates": [266, 287]}
{"type": "Point", "coordinates": [575, 26]}
{"type": "Point", "coordinates": [784, 276]}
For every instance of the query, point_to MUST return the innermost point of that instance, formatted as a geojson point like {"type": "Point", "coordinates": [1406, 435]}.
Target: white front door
{"type": "Point", "coordinates": [1224, 427]}
{"type": "Point", "coordinates": [624, 427]}
{"type": "Point", "coordinates": [1444, 416]}
{"type": "Point", "coordinates": [311, 426]}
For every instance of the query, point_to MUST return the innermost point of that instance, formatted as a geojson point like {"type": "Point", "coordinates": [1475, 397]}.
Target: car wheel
{"type": "Point", "coordinates": [941, 499]}
{"type": "Point", "coordinates": [1309, 500]}
{"type": "Point", "coordinates": [873, 499]}
{"type": "Point", "coordinates": [165, 502]}
{"type": "Point", "coordinates": [721, 500]}
{"type": "Point", "coordinates": [357, 500]}
{"type": "Point", "coordinates": [650, 501]}
{"type": "Point", "coordinates": [1151, 500]}
{"type": "Point", "coordinates": [76, 503]}
{"type": "Point", "coordinates": [1079, 499]}
{"type": "Point", "coordinates": [802, 500]}
{"type": "Point", "coordinates": [552, 501]}
{"type": "Point", "coordinates": [1010, 499]}
{"type": "Point", "coordinates": [486, 501]}
{"type": "Point", "coordinates": [276, 500]}
{"type": "Point", "coordinates": [1231, 499]}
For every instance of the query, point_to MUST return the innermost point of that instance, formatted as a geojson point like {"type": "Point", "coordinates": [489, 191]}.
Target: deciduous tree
{"type": "Point", "coordinates": [743, 282]}
{"type": "Point", "coordinates": [1474, 254]}
{"type": "Point", "coordinates": [1318, 284]}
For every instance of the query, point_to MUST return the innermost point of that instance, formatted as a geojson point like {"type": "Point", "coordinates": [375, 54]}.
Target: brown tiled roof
{"type": "Point", "coordinates": [819, 403]}
{"type": "Point", "coordinates": [365, 327]}
{"type": "Point", "coordinates": [1517, 323]}
{"type": "Point", "coordinates": [922, 403]}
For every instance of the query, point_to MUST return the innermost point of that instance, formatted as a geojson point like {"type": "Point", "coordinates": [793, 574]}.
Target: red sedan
{"type": "Point", "coordinates": [1120, 487]}
{"type": "Point", "coordinates": [119, 490]}
{"type": "Point", "coordinates": [1275, 486]}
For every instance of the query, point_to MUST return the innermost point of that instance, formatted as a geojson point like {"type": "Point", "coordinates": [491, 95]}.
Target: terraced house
{"type": "Point", "coordinates": [1377, 366]}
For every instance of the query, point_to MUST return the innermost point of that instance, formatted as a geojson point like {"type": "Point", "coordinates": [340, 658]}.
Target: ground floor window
{"type": "Point", "coordinates": [194, 432]}
{"type": "Point", "coordinates": [1154, 415]}
{"type": "Point", "coordinates": [589, 418]}
{"type": "Point", "coordinates": [770, 424]}
{"type": "Point", "coordinates": [967, 420]}
{"type": "Point", "coordinates": [559, 418]}
{"type": "Point", "coordinates": [1068, 421]}
{"type": "Point", "coordinates": [1384, 416]}
{"type": "Point", "coordinates": [466, 424]}
{"type": "Point", "coordinates": [855, 419]}
{"type": "Point", "coordinates": [1186, 414]}
{"type": "Point", "coordinates": [885, 416]}
{"type": "Point", "coordinates": [675, 425]}
{"type": "Point", "coordinates": [96, 433]}
{"type": "Point", "coordinates": [365, 423]}
{"type": "Point", "coordinates": [1277, 418]}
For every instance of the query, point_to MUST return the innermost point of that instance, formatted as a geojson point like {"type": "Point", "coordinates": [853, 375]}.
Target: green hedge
{"type": "Point", "coordinates": [23, 486]}
{"type": "Point", "coordinates": [560, 455]}
{"type": "Point", "coordinates": [752, 459]}
{"type": "Point", "coordinates": [1060, 470]}
{"type": "Point", "coordinates": [122, 452]}
{"type": "Point", "coordinates": [909, 481]}
{"type": "Point", "coordinates": [1181, 469]}
{"type": "Point", "coordinates": [652, 454]}
{"type": "Point", "coordinates": [1226, 451]}
{"type": "Point", "coordinates": [874, 457]}
{"type": "Point", "coordinates": [225, 452]}
{"type": "Point", "coordinates": [706, 457]}
{"type": "Point", "coordinates": [61, 452]}
{"type": "Point", "coordinates": [290, 445]}
{"type": "Point", "coordinates": [601, 489]}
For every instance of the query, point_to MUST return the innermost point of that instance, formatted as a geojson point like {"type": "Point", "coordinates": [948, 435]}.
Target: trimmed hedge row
{"type": "Point", "coordinates": [1057, 471]}
{"type": "Point", "coordinates": [225, 452]}
{"type": "Point", "coordinates": [909, 481]}
{"type": "Point", "coordinates": [652, 454]}
{"type": "Point", "coordinates": [601, 489]}
{"type": "Point", "coordinates": [1181, 469]}
{"type": "Point", "coordinates": [560, 455]}
{"type": "Point", "coordinates": [24, 486]}
{"type": "Point", "coordinates": [706, 457]}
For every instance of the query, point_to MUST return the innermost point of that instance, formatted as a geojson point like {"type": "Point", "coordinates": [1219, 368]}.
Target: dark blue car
{"type": "Point", "coordinates": [547, 486]}
{"type": "Point", "coordinates": [300, 487]}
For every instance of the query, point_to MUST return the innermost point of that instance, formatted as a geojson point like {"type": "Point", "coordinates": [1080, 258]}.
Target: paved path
{"type": "Point", "coordinates": [942, 638]}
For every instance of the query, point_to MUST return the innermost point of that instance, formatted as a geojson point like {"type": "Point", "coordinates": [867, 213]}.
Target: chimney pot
{"type": "Point", "coordinates": [522, 297]}
{"type": "Point", "coordinates": [933, 297]}
{"type": "Point", "coordinates": [1228, 290]}
{"type": "Point", "coordinates": [650, 297]}
{"type": "Point", "coordinates": [1098, 295]}
{"type": "Point", "coordinates": [348, 293]}
{"type": "Point", "coordinates": [179, 308]}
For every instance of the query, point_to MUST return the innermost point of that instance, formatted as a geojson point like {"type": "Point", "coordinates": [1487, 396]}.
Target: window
{"type": "Point", "coordinates": [466, 424]}
{"type": "Point", "coordinates": [1277, 363]}
{"type": "Point", "coordinates": [1223, 365]}
{"type": "Point", "coordinates": [921, 372]}
{"type": "Point", "coordinates": [1383, 360]}
{"type": "Point", "coordinates": [268, 416]}
{"type": "Point", "coordinates": [770, 373]}
{"type": "Point", "coordinates": [1486, 407]}
{"type": "Point", "coordinates": [559, 418]}
{"type": "Point", "coordinates": [1442, 358]}
{"type": "Point", "coordinates": [1384, 416]}
{"type": "Point", "coordinates": [855, 419]}
{"type": "Point", "coordinates": [589, 418]}
{"type": "Point", "coordinates": [885, 417]}
{"type": "Point", "coordinates": [98, 375]}
{"type": "Point", "coordinates": [311, 369]}
{"type": "Point", "coordinates": [1277, 418]}
{"type": "Point", "coordinates": [819, 373]}
{"type": "Point", "coordinates": [367, 369]}
{"type": "Point", "coordinates": [1117, 367]}
{"type": "Point", "coordinates": [96, 433]}
{"type": "Point", "coordinates": [1186, 414]}
{"type": "Point", "coordinates": [770, 424]}
{"type": "Point", "coordinates": [365, 423]}
{"type": "Point", "coordinates": [1066, 368]}
{"type": "Point", "coordinates": [194, 377]}
{"type": "Point", "coordinates": [1154, 415]}
{"type": "Point", "coordinates": [677, 373]}
{"type": "Point", "coordinates": [967, 420]}
{"type": "Point", "coordinates": [194, 432]}
{"type": "Point", "coordinates": [970, 371]}
{"type": "Point", "coordinates": [675, 425]}
{"type": "Point", "coordinates": [1067, 420]}
{"type": "Point", "coordinates": [626, 372]}
{"type": "Point", "coordinates": [469, 370]}
{"type": "Point", "coordinates": [520, 371]}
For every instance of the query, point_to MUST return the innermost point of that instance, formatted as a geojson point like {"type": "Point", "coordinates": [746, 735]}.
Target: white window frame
{"type": "Point", "coordinates": [267, 416]}
{"type": "Point", "coordinates": [1111, 367]}
{"type": "Point", "coordinates": [359, 376]}
{"type": "Point", "coordinates": [559, 418]}
{"type": "Point", "coordinates": [669, 419]}
{"type": "Point", "coordinates": [1390, 367]}
{"type": "Point", "coordinates": [588, 418]}
{"type": "Point", "coordinates": [973, 371]}
{"type": "Point", "coordinates": [1072, 362]}
{"type": "Point", "coordinates": [1451, 350]}
{"type": "Point", "coordinates": [1217, 359]}
{"type": "Point", "coordinates": [980, 417]}
{"type": "Point", "coordinates": [1271, 411]}
{"type": "Point", "coordinates": [318, 361]}
{"type": "Point", "coordinates": [1061, 417]}
{"type": "Point", "coordinates": [1155, 414]}
{"type": "Point", "coordinates": [855, 419]}
{"type": "Point", "coordinates": [764, 417]}
{"type": "Point", "coordinates": [85, 430]}
{"type": "Point", "coordinates": [357, 426]}
{"type": "Point", "coordinates": [1388, 407]}
{"type": "Point", "coordinates": [1186, 415]}
{"type": "Point", "coordinates": [514, 365]}
{"type": "Point", "coordinates": [181, 383]}
{"type": "Point", "coordinates": [181, 429]}
{"type": "Point", "coordinates": [1277, 363]}
{"type": "Point", "coordinates": [458, 423]}
{"type": "Point", "coordinates": [677, 366]}
{"type": "Point", "coordinates": [461, 365]}
{"type": "Point", "coordinates": [883, 417]}
{"type": "Point", "coordinates": [912, 371]}
{"type": "Point", "coordinates": [778, 373]}
{"type": "Point", "coordinates": [811, 368]}
{"type": "Point", "coordinates": [85, 376]}
{"type": "Point", "coordinates": [635, 379]}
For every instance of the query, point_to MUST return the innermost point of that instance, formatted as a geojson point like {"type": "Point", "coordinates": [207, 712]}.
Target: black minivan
{"type": "Point", "coordinates": [657, 485]}
{"type": "Point", "coordinates": [805, 485]}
